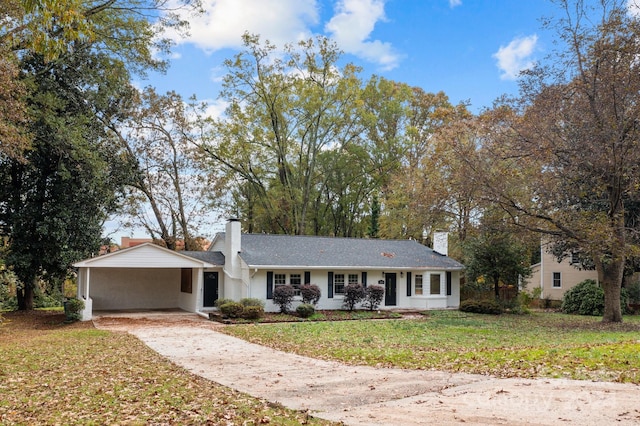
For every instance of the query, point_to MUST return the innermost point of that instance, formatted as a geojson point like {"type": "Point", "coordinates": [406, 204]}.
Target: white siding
{"type": "Point", "coordinates": [134, 288]}
{"type": "Point", "coordinates": [144, 256]}
{"type": "Point", "coordinates": [258, 289]}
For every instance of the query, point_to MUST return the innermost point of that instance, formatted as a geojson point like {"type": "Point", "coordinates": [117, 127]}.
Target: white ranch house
{"type": "Point", "coordinates": [251, 265]}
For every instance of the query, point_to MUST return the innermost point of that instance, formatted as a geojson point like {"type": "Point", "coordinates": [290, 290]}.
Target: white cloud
{"type": "Point", "coordinates": [633, 8]}
{"type": "Point", "coordinates": [351, 26]}
{"type": "Point", "coordinates": [516, 56]}
{"type": "Point", "coordinates": [224, 22]}
{"type": "Point", "coordinates": [454, 3]}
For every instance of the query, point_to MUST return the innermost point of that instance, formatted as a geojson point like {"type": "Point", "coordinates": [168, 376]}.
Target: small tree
{"type": "Point", "coordinates": [373, 296]}
{"type": "Point", "coordinates": [310, 294]}
{"type": "Point", "coordinates": [283, 297]}
{"type": "Point", "coordinates": [353, 294]}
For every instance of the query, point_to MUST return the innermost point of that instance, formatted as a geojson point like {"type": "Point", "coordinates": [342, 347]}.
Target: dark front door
{"type": "Point", "coordinates": [390, 289]}
{"type": "Point", "coordinates": [210, 289]}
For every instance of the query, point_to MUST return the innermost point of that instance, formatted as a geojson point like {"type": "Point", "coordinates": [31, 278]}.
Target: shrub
{"type": "Point", "coordinates": [310, 294]}
{"type": "Point", "coordinates": [283, 297]}
{"type": "Point", "coordinates": [249, 301]}
{"type": "Point", "coordinates": [586, 298]}
{"type": "Point", "coordinates": [305, 310]}
{"type": "Point", "coordinates": [483, 306]}
{"type": "Point", "coordinates": [373, 296]}
{"type": "Point", "coordinates": [253, 312]}
{"type": "Point", "coordinates": [633, 291]}
{"type": "Point", "coordinates": [72, 308]}
{"type": "Point", "coordinates": [232, 309]}
{"type": "Point", "coordinates": [219, 302]}
{"type": "Point", "coordinates": [353, 294]}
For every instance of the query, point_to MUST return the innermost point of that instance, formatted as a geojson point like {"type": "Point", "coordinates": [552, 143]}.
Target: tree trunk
{"type": "Point", "coordinates": [610, 274]}
{"type": "Point", "coordinates": [25, 297]}
{"type": "Point", "coordinates": [496, 286]}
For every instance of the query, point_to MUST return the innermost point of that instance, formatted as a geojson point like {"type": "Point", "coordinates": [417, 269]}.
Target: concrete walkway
{"type": "Point", "coordinates": [371, 396]}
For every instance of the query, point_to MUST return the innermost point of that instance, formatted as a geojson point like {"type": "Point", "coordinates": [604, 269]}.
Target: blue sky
{"type": "Point", "coordinates": [470, 49]}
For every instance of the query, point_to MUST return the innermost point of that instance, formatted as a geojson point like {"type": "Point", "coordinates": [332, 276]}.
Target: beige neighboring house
{"type": "Point", "coordinates": [555, 278]}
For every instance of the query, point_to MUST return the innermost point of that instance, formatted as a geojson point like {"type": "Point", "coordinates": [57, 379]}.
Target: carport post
{"type": "Point", "coordinates": [82, 293]}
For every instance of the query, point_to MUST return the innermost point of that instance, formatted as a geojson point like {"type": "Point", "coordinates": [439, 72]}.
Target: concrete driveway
{"type": "Point", "coordinates": [373, 396]}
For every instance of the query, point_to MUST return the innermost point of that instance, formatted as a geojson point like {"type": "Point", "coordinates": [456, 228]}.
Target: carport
{"type": "Point", "coordinates": [148, 277]}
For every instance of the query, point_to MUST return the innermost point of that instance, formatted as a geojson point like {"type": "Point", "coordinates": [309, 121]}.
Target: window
{"type": "Point", "coordinates": [418, 291]}
{"type": "Point", "coordinates": [185, 280]}
{"type": "Point", "coordinates": [279, 279]}
{"type": "Point", "coordinates": [295, 280]}
{"type": "Point", "coordinates": [353, 279]}
{"type": "Point", "coordinates": [557, 280]}
{"type": "Point", "coordinates": [338, 283]}
{"type": "Point", "coordinates": [435, 284]}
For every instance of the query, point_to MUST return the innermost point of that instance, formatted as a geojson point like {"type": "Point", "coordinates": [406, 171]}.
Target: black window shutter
{"type": "Point", "coordinates": [330, 285]}
{"type": "Point", "coordinates": [307, 277]}
{"type": "Point", "coordinates": [448, 283]}
{"type": "Point", "coordinates": [269, 284]}
{"type": "Point", "coordinates": [408, 283]}
{"type": "Point", "coordinates": [364, 279]}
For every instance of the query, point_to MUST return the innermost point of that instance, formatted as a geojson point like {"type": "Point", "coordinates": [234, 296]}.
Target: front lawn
{"type": "Point", "coordinates": [536, 345]}
{"type": "Point", "coordinates": [55, 373]}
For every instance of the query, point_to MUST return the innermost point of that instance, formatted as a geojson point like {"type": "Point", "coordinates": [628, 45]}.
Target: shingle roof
{"type": "Point", "coordinates": [214, 257]}
{"type": "Point", "coordinates": [310, 251]}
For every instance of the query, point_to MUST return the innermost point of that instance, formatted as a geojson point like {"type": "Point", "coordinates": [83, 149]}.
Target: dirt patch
{"type": "Point", "coordinates": [158, 320]}
{"type": "Point", "coordinates": [381, 396]}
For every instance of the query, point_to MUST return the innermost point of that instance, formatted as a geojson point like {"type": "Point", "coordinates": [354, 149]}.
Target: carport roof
{"type": "Point", "coordinates": [149, 255]}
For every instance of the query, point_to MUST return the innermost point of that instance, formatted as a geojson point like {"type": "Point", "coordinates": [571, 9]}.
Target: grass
{"type": "Point", "coordinates": [55, 373]}
{"type": "Point", "coordinates": [536, 345]}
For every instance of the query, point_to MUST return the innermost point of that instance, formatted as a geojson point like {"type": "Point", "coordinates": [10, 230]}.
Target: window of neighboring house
{"type": "Point", "coordinates": [279, 279]}
{"type": "Point", "coordinates": [418, 287]}
{"type": "Point", "coordinates": [557, 280]}
{"type": "Point", "coordinates": [295, 280]}
{"type": "Point", "coordinates": [435, 284]}
{"type": "Point", "coordinates": [338, 284]}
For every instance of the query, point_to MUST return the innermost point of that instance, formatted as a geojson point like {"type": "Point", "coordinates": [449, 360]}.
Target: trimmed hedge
{"type": "Point", "coordinates": [283, 297]}
{"type": "Point", "coordinates": [251, 301]}
{"type": "Point", "coordinates": [373, 296]}
{"type": "Point", "coordinates": [305, 310]}
{"type": "Point", "coordinates": [232, 309]}
{"type": "Point", "coordinates": [310, 294]}
{"type": "Point", "coordinates": [253, 312]}
{"type": "Point", "coordinates": [484, 306]}
{"type": "Point", "coordinates": [353, 294]}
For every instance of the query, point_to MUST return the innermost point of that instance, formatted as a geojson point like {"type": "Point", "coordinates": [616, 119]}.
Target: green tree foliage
{"type": "Point", "coordinates": [75, 59]}
{"type": "Point", "coordinates": [374, 220]}
{"type": "Point", "coordinates": [496, 257]}
{"type": "Point", "coordinates": [284, 111]}
{"type": "Point", "coordinates": [54, 203]}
